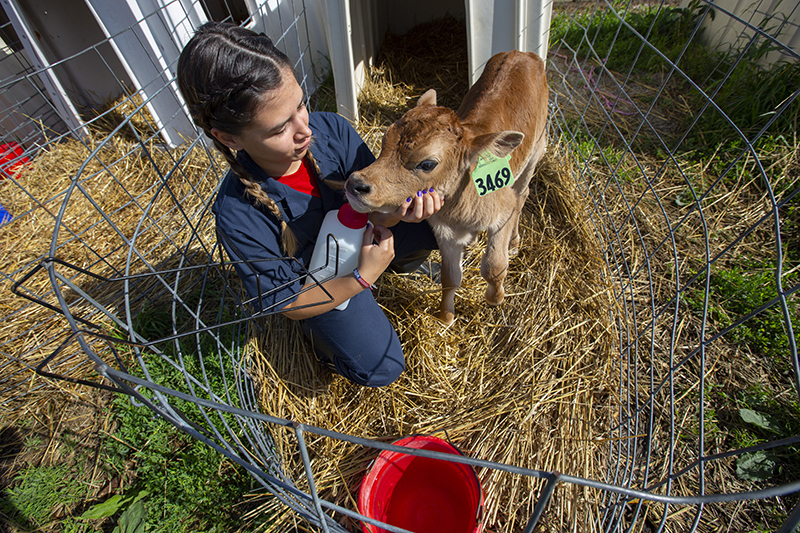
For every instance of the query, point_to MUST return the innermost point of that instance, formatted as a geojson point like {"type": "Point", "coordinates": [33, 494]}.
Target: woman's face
{"type": "Point", "coordinates": [278, 136]}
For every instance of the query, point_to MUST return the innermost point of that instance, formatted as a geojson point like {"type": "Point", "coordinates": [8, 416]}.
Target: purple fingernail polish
{"type": "Point", "coordinates": [431, 189]}
{"type": "Point", "coordinates": [408, 199]}
{"type": "Point", "coordinates": [419, 193]}
{"type": "Point", "coordinates": [424, 191]}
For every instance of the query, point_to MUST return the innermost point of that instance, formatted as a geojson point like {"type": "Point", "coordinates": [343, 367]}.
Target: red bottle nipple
{"type": "Point", "coordinates": [350, 218]}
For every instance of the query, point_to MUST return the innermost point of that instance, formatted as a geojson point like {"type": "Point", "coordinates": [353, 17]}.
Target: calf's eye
{"type": "Point", "coordinates": [427, 165]}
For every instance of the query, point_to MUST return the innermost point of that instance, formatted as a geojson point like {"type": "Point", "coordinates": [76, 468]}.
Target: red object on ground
{"type": "Point", "coordinates": [421, 494]}
{"type": "Point", "coordinates": [11, 158]}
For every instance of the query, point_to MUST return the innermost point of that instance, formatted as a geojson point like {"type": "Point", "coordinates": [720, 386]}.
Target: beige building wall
{"type": "Point", "coordinates": [779, 18]}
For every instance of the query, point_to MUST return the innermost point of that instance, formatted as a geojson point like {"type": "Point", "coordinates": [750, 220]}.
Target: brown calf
{"type": "Point", "coordinates": [505, 112]}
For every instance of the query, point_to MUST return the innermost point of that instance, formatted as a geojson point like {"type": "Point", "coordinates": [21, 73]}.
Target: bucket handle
{"type": "Point", "coordinates": [479, 511]}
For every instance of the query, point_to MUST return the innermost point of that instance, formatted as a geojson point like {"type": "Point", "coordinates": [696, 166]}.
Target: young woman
{"type": "Point", "coordinates": [287, 170]}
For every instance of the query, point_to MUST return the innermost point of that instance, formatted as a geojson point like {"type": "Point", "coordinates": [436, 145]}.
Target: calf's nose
{"type": "Point", "coordinates": [357, 186]}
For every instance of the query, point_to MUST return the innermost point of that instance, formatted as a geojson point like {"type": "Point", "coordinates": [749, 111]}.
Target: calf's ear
{"type": "Point", "coordinates": [429, 98]}
{"type": "Point", "coordinates": [500, 144]}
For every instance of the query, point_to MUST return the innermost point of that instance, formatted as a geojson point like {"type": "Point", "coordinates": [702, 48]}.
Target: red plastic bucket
{"type": "Point", "coordinates": [11, 158]}
{"type": "Point", "coordinates": [421, 494]}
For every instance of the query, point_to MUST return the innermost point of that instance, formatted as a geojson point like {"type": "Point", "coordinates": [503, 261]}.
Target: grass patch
{"type": "Point", "coordinates": [39, 493]}
{"type": "Point", "coordinates": [669, 43]}
{"type": "Point", "coordinates": [138, 473]}
{"type": "Point", "coordinates": [190, 486]}
{"type": "Point", "coordinates": [618, 38]}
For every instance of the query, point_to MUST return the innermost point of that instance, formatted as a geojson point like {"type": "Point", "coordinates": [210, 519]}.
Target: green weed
{"type": "Point", "coordinates": [40, 491]}
{"type": "Point", "coordinates": [764, 418]}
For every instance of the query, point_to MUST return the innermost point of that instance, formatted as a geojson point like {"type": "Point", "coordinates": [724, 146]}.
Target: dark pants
{"type": "Point", "coordinates": [363, 343]}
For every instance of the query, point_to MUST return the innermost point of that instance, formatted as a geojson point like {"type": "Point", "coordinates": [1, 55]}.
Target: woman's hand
{"type": "Point", "coordinates": [377, 251]}
{"type": "Point", "coordinates": [414, 209]}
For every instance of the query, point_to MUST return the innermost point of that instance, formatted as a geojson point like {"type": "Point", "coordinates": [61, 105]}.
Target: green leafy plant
{"type": "Point", "coordinates": [762, 420]}
{"type": "Point", "coordinates": [133, 520]}
{"type": "Point", "coordinates": [760, 465]}
{"type": "Point", "coordinates": [113, 505]}
{"type": "Point", "coordinates": [764, 464]}
{"type": "Point", "coordinates": [755, 466]}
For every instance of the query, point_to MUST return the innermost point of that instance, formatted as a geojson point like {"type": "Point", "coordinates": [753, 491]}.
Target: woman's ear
{"type": "Point", "coordinates": [231, 141]}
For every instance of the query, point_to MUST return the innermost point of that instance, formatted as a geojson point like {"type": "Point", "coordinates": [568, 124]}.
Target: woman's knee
{"type": "Point", "coordinates": [379, 371]}
{"type": "Point", "coordinates": [382, 375]}
{"type": "Point", "coordinates": [371, 354]}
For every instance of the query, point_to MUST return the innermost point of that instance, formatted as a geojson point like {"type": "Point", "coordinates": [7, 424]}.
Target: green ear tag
{"type": "Point", "coordinates": [492, 173]}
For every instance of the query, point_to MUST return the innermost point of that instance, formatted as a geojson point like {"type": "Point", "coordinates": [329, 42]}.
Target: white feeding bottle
{"type": "Point", "coordinates": [348, 227]}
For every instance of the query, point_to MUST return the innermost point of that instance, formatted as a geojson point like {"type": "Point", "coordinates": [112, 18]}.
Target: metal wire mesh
{"type": "Point", "coordinates": [144, 248]}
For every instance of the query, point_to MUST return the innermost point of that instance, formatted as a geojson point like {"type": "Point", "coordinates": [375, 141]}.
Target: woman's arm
{"type": "Point", "coordinates": [377, 251]}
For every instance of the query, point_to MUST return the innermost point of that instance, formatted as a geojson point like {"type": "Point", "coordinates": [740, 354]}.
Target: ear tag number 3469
{"type": "Point", "coordinates": [492, 173]}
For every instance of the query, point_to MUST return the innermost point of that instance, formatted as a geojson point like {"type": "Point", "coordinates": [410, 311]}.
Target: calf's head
{"type": "Point", "coordinates": [428, 147]}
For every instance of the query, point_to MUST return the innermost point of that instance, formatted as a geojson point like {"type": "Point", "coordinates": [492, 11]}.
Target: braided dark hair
{"type": "Point", "coordinates": [222, 73]}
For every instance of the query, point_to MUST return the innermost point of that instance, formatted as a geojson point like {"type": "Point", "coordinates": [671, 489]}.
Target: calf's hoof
{"type": "Point", "coordinates": [494, 296]}
{"type": "Point", "coordinates": [447, 317]}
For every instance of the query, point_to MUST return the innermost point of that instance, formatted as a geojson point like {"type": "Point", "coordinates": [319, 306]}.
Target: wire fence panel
{"type": "Point", "coordinates": [671, 124]}
{"type": "Point", "coordinates": [685, 156]}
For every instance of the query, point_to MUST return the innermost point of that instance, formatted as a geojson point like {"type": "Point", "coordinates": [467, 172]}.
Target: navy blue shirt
{"type": "Point", "coordinates": [250, 232]}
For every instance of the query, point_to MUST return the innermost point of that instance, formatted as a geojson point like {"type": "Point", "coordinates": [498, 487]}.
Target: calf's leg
{"type": "Point", "coordinates": [452, 255]}
{"type": "Point", "coordinates": [494, 265]}
{"type": "Point", "coordinates": [522, 189]}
